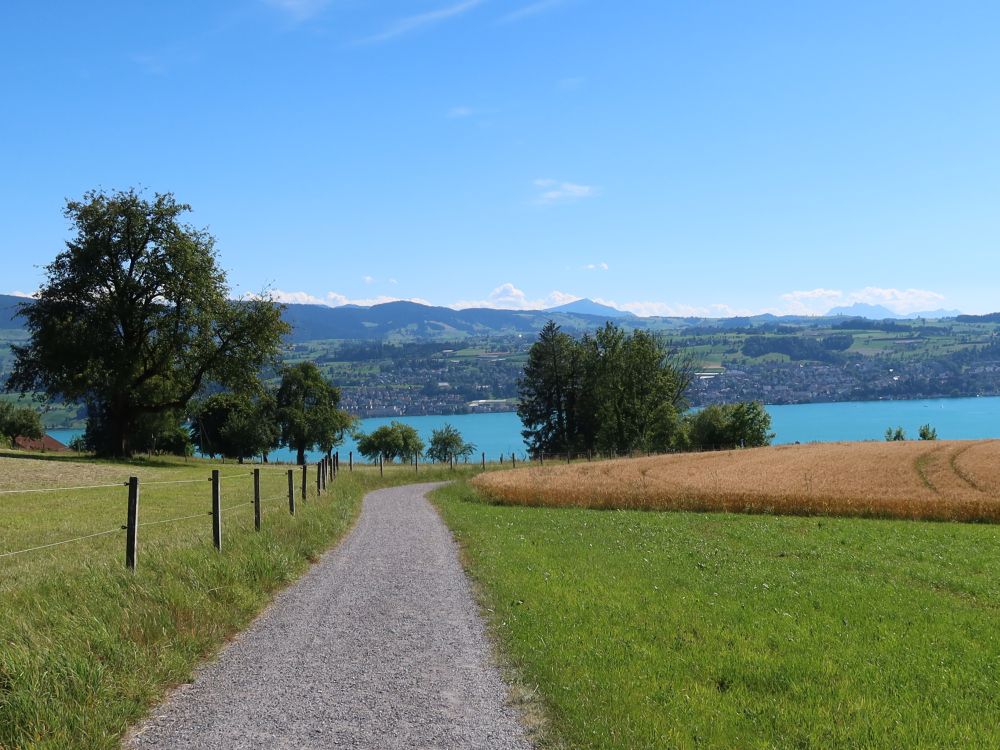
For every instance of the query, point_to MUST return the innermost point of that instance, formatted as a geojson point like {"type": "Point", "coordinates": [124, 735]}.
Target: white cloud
{"type": "Point", "coordinates": [335, 299]}
{"type": "Point", "coordinates": [900, 301]}
{"type": "Point", "coordinates": [677, 310]}
{"type": "Point", "coordinates": [509, 297]}
{"type": "Point", "coordinates": [461, 112]}
{"type": "Point", "coordinates": [532, 9]}
{"type": "Point", "coordinates": [393, 282]}
{"type": "Point", "coordinates": [368, 279]}
{"type": "Point", "coordinates": [554, 191]}
{"type": "Point", "coordinates": [17, 293]}
{"type": "Point", "coordinates": [300, 10]}
{"type": "Point", "coordinates": [596, 267]}
{"type": "Point", "coordinates": [412, 24]}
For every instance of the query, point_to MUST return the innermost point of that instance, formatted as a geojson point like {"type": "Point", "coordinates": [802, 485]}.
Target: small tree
{"type": "Point", "coordinates": [896, 435]}
{"type": "Point", "coordinates": [235, 426]}
{"type": "Point", "coordinates": [307, 411]}
{"type": "Point", "coordinates": [446, 443]}
{"type": "Point", "coordinates": [19, 422]}
{"type": "Point", "coordinates": [391, 441]}
{"type": "Point", "coordinates": [928, 433]}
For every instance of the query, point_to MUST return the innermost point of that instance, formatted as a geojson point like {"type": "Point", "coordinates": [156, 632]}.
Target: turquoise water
{"type": "Point", "coordinates": [954, 419]}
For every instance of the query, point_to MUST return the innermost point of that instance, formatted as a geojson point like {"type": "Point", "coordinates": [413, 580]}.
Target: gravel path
{"type": "Point", "coordinates": [380, 645]}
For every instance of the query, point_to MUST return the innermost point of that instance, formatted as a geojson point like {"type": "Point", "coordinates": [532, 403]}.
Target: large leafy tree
{"type": "Point", "coordinates": [134, 318]}
{"type": "Point", "coordinates": [391, 441]}
{"type": "Point", "coordinates": [307, 411]}
{"type": "Point", "coordinates": [446, 443]}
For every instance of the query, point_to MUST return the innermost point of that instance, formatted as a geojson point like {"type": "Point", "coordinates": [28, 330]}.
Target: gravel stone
{"type": "Point", "coordinates": [380, 645]}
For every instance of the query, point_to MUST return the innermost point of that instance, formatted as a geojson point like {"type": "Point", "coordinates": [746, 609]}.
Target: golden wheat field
{"type": "Point", "coordinates": [944, 481]}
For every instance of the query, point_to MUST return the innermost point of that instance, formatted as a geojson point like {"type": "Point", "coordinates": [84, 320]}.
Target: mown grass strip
{"type": "Point", "coordinates": [709, 630]}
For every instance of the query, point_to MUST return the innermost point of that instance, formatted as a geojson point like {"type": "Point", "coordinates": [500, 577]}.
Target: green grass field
{"type": "Point", "coordinates": [86, 647]}
{"type": "Point", "coordinates": [687, 630]}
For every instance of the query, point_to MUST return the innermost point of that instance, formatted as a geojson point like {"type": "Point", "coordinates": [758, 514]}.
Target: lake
{"type": "Point", "coordinates": [954, 419]}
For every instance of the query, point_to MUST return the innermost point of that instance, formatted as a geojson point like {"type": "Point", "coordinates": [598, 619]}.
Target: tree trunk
{"type": "Point", "coordinates": [300, 455]}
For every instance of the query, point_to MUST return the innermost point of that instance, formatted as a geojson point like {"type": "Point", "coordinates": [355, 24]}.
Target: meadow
{"type": "Point", "coordinates": [86, 647]}
{"type": "Point", "coordinates": [635, 630]}
{"type": "Point", "coordinates": [929, 480]}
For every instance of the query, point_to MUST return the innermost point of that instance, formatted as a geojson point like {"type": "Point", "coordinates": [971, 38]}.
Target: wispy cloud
{"type": "Point", "coordinates": [368, 279]}
{"type": "Point", "coordinates": [299, 10]}
{"type": "Point", "coordinates": [675, 310]}
{"type": "Point", "coordinates": [17, 293]}
{"type": "Point", "coordinates": [532, 9]}
{"type": "Point", "coordinates": [900, 301]}
{"type": "Point", "coordinates": [596, 267]}
{"type": "Point", "coordinates": [574, 83]}
{"type": "Point", "coordinates": [509, 297]}
{"type": "Point", "coordinates": [554, 191]}
{"type": "Point", "coordinates": [412, 24]}
{"type": "Point", "coordinates": [335, 299]}
{"type": "Point", "coordinates": [460, 112]}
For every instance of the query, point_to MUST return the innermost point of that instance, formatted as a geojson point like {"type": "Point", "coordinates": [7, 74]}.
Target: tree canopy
{"type": "Point", "coordinates": [134, 319]}
{"type": "Point", "coordinates": [235, 425]}
{"type": "Point", "coordinates": [307, 410]}
{"type": "Point", "coordinates": [18, 422]}
{"type": "Point", "coordinates": [725, 426]}
{"type": "Point", "coordinates": [446, 443]}
{"type": "Point", "coordinates": [614, 392]}
{"type": "Point", "coordinates": [391, 441]}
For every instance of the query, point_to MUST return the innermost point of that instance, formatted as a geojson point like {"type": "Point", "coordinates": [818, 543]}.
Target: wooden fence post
{"type": "Point", "coordinates": [501, 459]}
{"type": "Point", "coordinates": [132, 524]}
{"type": "Point", "coordinates": [291, 492]}
{"type": "Point", "coordinates": [484, 460]}
{"type": "Point", "coordinates": [256, 499]}
{"type": "Point", "coordinates": [415, 467]}
{"type": "Point", "coordinates": [320, 473]}
{"type": "Point", "coordinates": [451, 461]}
{"type": "Point", "coordinates": [305, 487]}
{"type": "Point", "coordinates": [513, 460]}
{"type": "Point", "coordinates": [216, 510]}
{"type": "Point", "coordinates": [381, 471]}
{"type": "Point", "coordinates": [350, 461]}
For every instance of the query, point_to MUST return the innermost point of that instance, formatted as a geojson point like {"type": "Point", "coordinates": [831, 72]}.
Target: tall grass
{"type": "Point", "coordinates": [86, 647]}
{"type": "Point", "coordinates": [947, 481]}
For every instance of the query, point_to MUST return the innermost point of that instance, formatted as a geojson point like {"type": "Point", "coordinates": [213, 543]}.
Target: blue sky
{"type": "Point", "coordinates": [667, 157]}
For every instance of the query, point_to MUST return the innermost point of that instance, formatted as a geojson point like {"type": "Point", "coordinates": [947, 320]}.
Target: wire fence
{"type": "Point", "coordinates": [297, 486]}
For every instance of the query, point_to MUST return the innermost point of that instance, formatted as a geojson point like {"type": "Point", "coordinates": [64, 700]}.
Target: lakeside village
{"type": "Point", "coordinates": [487, 382]}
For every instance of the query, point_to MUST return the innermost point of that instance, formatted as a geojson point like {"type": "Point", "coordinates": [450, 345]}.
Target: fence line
{"type": "Point", "coordinates": [65, 489]}
{"type": "Point", "coordinates": [326, 470]}
{"type": "Point", "coordinates": [65, 541]}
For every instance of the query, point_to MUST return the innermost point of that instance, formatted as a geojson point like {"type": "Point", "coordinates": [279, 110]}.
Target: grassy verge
{"type": "Point", "coordinates": [688, 630]}
{"type": "Point", "coordinates": [85, 647]}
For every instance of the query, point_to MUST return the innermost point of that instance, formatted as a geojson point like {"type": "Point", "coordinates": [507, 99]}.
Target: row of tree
{"type": "Point", "coordinates": [619, 393]}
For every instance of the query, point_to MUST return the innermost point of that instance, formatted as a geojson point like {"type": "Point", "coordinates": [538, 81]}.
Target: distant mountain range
{"type": "Point", "coordinates": [589, 307]}
{"type": "Point", "coordinates": [878, 312]}
{"type": "Point", "coordinates": [412, 321]}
